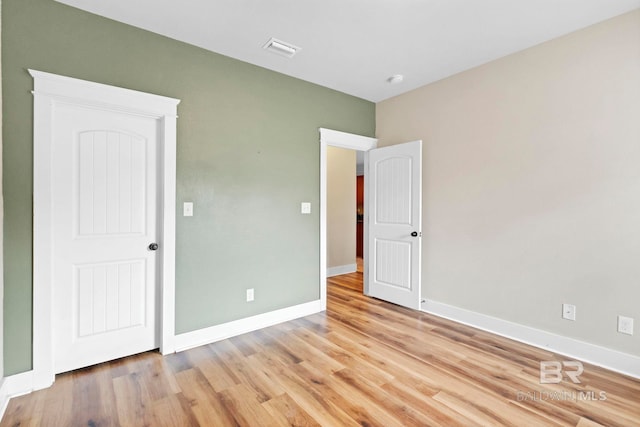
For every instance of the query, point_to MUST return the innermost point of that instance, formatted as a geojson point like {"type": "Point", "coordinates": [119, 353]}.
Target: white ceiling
{"type": "Point", "coordinates": [354, 46]}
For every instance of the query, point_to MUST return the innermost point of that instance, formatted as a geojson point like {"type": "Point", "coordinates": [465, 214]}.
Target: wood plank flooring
{"type": "Point", "coordinates": [351, 281]}
{"type": "Point", "coordinates": [363, 362]}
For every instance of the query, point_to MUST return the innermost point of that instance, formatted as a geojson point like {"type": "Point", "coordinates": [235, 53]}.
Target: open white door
{"type": "Point", "coordinates": [395, 213]}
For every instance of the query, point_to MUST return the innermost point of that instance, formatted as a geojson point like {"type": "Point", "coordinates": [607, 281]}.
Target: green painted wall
{"type": "Point", "coordinates": [248, 154]}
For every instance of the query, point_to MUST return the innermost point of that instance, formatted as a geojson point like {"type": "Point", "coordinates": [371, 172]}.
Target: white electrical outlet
{"type": "Point", "coordinates": [250, 295]}
{"type": "Point", "coordinates": [625, 325]}
{"type": "Point", "coordinates": [569, 311]}
{"type": "Point", "coordinates": [305, 208]}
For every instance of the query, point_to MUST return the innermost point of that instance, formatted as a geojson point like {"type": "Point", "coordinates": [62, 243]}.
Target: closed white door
{"type": "Point", "coordinates": [395, 213]}
{"type": "Point", "coordinates": [104, 208]}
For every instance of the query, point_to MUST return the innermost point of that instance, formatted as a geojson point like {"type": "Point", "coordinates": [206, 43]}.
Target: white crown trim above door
{"type": "Point", "coordinates": [51, 92]}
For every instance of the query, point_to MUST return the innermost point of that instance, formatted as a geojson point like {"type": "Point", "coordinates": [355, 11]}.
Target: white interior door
{"type": "Point", "coordinates": [104, 203]}
{"type": "Point", "coordinates": [395, 213]}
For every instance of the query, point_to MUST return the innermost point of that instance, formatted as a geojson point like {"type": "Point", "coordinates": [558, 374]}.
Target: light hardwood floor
{"type": "Point", "coordinates": [363, 362]}
{"type": "Point", "coordinates": [351, 281]}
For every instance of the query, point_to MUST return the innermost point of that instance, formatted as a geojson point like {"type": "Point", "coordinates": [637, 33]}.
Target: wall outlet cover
{"type": "Point", "coordinates": [625, 325]}
{"type": "Point", "coordinates": [569, 311]}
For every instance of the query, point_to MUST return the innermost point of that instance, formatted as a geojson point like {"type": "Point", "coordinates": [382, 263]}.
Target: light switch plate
{"type": "Point", "coordinates": [187, 209]}
{"type": "Point", "coordinates": [305, 208]}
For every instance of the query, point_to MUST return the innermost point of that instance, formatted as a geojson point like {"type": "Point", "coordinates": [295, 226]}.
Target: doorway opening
{"type": "Point", "coordinates": [332, 138]}
{"type": "Point", "coordinates": [345, 217]}
{"type": "Point", "coordinates": [392, 217]}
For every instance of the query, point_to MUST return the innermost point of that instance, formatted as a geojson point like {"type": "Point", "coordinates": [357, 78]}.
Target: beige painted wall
{"type": "Point", "coordinates": [532, 183]}
{"type": "Point", "coordinates": [341, 207]}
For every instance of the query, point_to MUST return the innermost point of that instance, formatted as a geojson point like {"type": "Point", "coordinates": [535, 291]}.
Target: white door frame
{"type": "Point", "coordinates": [51, 90]}
{"type": "Point", "coordinates": [351, 141]}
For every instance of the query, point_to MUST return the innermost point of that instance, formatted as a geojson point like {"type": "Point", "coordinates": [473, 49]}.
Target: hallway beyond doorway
{"type": "Point", "coordinates": [352, 281]}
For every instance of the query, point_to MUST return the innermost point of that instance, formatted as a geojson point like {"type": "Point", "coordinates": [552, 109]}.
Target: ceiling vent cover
{"type": "Point", "coordinates": [281, 48]}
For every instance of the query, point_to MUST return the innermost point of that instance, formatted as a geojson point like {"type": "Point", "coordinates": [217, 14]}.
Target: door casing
{"type": "Point", "coordinates": [51, 90]}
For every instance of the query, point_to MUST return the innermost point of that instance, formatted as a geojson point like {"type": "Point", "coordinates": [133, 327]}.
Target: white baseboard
{"type": "Point", "coordinates": [4, 397]}
{"type": "Point", "coordinates": [341, 269]}
{"type": "Point", "coordinates": [15, 385]}
{"type": "Point", "coordinates": [241, 326]}
{"type": "Point", "coordinates": [614, 360]}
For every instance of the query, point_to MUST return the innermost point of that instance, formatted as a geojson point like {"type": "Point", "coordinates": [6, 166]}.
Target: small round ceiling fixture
{"type": "Point", "coordinates": [395, 79]}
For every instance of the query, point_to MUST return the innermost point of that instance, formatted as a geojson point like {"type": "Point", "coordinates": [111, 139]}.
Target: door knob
{"type": "Point", "coordinates": [153, 247]}
{"type": "Point", "coordinates": [414, 234]}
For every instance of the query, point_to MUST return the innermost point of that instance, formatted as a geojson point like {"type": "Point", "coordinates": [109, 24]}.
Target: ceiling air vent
{"type": "Point", "coordinates": [281, 48]}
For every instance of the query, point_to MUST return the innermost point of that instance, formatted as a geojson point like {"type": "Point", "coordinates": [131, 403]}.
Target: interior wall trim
{"type": "Point", "coordinates": [4, 397]}
{"type": "Point", "coordinates": [16, 385]}
{"type": "Point", "coordinates": [223, 331]}
{"type": "Point", "coordinates": [341, 269]}
{"type": "Point", "coordinates": [613, 360]}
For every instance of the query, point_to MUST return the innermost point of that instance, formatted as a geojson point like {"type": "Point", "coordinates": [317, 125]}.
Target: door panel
{"type": "Point", "coordinates": [104, 214]}
{"type": "Point", "coordinates": [112, 183]}
{"type": "Point", "coordinates": [110, 297]}
{"type": "Point", "coordinates": [395, 189]}
{"type": "Point", "coordinates": [393, 262]}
